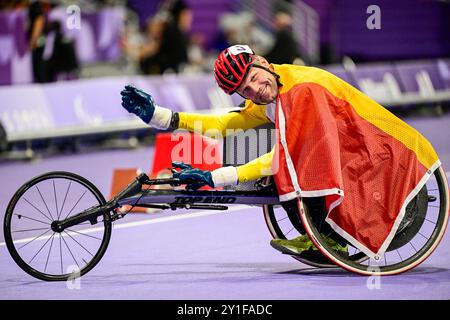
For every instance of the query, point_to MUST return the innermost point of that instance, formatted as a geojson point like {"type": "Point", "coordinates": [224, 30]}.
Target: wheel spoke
{"type": "Point", "coordinates": [65, 197]}
{"type": "Point", "coordinates": [430, 221]}
{"type": "Point", "coordinates": [45, 203]}
{"type": "Point", "coordinates": [34, 239]}
{"type": "Point", "coordinates": [399, 255]}
{"type": "Point", "coordinates": [413, 246]}
{"type": "Point", "coordinates": [290, 230]}
{"type": "Point", "coordinates": [83, 234]}
{"type": "Point", "coordinates": [75, 205]}
{"type": "Point", "coordinates": [37, 209]}
{"type": "Point", "coordinates": [79, 243]}
{"type": "Point", "coordinates": [70, 252]}
{"type": "Point", "coordinates": [282, 219]}
{"type": "Point", "coordinates": [60, 253]}
{"type": "Point", "coordinates": [56, 200]}
{"type": "Point", "coordinates": [50, 250]}
{"type": "Point", "coordinates": [22, 216]}
{"type": "Point", "coordinates": [422, 235]}
{"type": "Point", "coordinates": [40, 249]}
{"type": "Point", "coordinates": [26, 230]}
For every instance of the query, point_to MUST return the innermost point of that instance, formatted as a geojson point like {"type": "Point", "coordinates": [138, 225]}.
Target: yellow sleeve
{"type": "Point", "coordinates": [257, 168]}
{"type": "Point", "coordinates": [221, 125]}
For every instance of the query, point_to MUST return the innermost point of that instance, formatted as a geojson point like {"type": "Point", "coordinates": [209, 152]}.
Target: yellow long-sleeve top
{"type": "Point", "coordinates": [214, 125]}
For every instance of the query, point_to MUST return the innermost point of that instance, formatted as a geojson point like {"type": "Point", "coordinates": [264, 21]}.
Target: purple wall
{"type": "Point", "coordinates": [410, 29]}
{"type": "Point", "coordinates": [206, 15]}
{"type": "Point", "coordinates": [144, 8]}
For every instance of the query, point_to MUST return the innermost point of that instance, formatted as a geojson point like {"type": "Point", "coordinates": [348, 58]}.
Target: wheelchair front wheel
{"type": "Point", "coordinates": [42, 252]}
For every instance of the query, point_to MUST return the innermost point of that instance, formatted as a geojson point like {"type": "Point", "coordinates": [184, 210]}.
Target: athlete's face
{"type": "Point", "coordinates": [259, 86]}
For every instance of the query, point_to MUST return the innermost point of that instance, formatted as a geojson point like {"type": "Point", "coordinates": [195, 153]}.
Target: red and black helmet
{"type": "Point", "coordinates": [232, 65]}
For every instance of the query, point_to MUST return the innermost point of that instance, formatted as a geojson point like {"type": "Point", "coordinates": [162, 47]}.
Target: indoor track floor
{"type": "Point", "coordinates": [207, 254]}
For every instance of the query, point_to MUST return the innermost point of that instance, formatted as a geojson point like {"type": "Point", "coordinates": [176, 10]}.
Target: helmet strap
{"type": "Point", "coordinates": [276, 75]}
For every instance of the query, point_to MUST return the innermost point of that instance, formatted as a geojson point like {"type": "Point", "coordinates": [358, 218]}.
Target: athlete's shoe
{"type": "Point", "coordinates": [301, 244]}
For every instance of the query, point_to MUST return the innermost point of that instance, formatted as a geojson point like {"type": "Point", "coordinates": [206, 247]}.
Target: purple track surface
{"type": "Point", "coordinates": [219, 255]}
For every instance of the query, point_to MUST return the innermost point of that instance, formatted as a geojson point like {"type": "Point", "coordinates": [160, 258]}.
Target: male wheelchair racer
{"type": "Point", "coordinates": [60, 219]}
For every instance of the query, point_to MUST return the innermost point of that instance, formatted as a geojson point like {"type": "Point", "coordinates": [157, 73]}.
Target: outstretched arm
{"type": "Point", "coordinates": [225, 123]}
{"type": "Point", "coordinates": [142, 104]}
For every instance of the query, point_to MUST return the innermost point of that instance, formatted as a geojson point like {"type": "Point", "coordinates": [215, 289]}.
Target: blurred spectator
{"type": "Point", "coordinates": [53, 54]}
{"type": "Point", "coordinates": [36, 39]}
{"type": "Point", "coordinates": [242, 28]}
{"type": "Point", "coordinates": [175, 41]}
{"type": "Point", "coordinates": [59, 54]}
{"type": "Point", "coordinates": [150, 52]}
{"type": "Point", "coordinates": [145, 50]}
{"type": "Point", "coordinates": [285, 48]}
{"type": "Point", "coordinates": [12, 4]}
{"type": "Point", "coordinates": [196, 54]}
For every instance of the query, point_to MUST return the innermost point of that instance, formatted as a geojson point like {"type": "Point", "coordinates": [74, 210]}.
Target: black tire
{"type": "Point", "coordinates": [432, 230]}
{"type": "Point", "coordinates": [20, 202]}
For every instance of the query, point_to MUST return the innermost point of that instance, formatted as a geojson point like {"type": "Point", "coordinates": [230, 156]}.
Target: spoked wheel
{"type": "Point", "coordinates": [42, 252]}
{"type": "Point", "coordinates": [418, 235]}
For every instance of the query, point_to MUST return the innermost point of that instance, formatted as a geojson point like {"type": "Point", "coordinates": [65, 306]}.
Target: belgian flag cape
{"type": "Point", "coordinates": [334, 141]}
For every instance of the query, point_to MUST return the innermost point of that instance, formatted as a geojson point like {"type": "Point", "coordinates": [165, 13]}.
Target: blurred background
{"type": "Point", "coordinates": [63, 63]}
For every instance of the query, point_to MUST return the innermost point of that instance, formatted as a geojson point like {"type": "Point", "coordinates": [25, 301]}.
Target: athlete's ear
{"type": "Point", "coordinates": [262, 61]}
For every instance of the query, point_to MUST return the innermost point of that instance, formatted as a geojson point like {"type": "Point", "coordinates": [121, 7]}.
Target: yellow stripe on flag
{"type": "Point", "coordinates": [366, 108]}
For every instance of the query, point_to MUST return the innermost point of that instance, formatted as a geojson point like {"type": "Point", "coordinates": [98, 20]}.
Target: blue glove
{"type": "Point", "coordinates": [138, 102]}
{"type": "Point", "coordinates": [188, 173]}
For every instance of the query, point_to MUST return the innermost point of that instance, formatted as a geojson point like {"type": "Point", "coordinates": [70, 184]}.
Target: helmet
{"type": "Point", "coordinates": [231, 67]}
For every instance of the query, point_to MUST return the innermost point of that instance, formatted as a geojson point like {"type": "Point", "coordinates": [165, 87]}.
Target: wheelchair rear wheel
{"type": "Point", "coordinates": [419, 233]}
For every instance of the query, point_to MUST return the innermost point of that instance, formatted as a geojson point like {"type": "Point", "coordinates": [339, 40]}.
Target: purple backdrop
{"type": "Point", "coordinates": [97, 39]}
{"type": "Point", "coordinates": [410, 29]}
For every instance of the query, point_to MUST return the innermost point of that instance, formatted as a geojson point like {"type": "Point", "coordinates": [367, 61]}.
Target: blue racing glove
{"type": "Point", "coordinates": [138, 102]}
{"type": "Point", "coordinates": [199, 177]}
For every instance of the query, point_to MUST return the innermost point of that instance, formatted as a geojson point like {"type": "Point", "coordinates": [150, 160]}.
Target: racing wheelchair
{"type": "Point", "coordinates": [60, 219]}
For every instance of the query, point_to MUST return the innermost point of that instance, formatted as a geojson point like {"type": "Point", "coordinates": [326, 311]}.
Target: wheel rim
{"type": "Point", "coordinates": [37, 249]}
{"type": "Point", "coordinates": [409, 255]}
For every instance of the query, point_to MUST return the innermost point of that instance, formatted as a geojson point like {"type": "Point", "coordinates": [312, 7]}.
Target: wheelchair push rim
{"type": "Point", "coordinates": [42, 252]}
